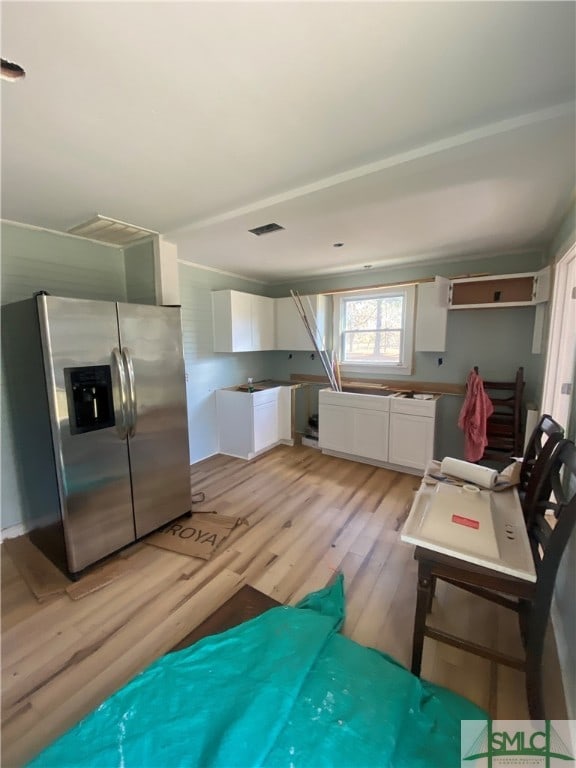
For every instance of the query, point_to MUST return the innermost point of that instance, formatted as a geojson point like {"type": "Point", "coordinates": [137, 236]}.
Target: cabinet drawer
{"type": "Point", "coordinates": [413, 407]}
{"type": "Point", "coordinates": [353, 400]}
{"type": "Point", "coordinates": [263, 396]}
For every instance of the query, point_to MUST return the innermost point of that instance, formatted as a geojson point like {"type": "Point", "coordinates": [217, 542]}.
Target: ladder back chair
{"type": "Point", "coordinates": [546, 429]}
{"type": "Point", "coordinates": [504, 431]}
{"type": "Point", "coordinates": [554, 475]}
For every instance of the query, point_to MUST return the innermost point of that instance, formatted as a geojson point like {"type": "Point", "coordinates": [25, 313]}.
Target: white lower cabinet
{"type": "Point", "coordinates": [412, 432]}
{"type": "Point", "coordinates": [252, 422]}
{"type": "Point", "coordinates": [354, 424]}
{"type": "Point", "coordinates": [411, 440]}
{"type": "Point", "coordinates": [336, 425]}
{"type": "Point", "coordinates": [371, 434]}
{"type": "Point", "coordinates": [398, 432]}
{"type": "Point", "coordinates": [265, 425]}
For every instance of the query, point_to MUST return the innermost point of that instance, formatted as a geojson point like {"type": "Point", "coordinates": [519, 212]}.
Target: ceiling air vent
{"type": "Point", "coordinates": [111, 231]}
{"type": "Point", "coordinates": [265, 229]}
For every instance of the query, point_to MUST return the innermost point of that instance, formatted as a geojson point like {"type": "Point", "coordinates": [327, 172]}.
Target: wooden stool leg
{"type": "Point", "coordinates": [534, 693]}
{"type": "Point", "coordinates": [423, 599]}
{"type": "Point", "coordinates": [432, 592]}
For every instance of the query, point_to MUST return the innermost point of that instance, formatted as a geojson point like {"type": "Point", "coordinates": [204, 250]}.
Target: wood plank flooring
{"type": "Point", "coordinates": [310, 516]}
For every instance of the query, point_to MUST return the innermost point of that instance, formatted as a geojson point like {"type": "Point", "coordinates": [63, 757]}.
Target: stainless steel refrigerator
{"type": "Point", "coordinates": [97, 403]}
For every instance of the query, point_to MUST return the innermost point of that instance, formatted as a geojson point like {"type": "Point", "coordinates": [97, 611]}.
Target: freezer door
{"type": "Point", "coordinates": [151, 343]}
{"type": "Point", "coordinates": [85, 399]}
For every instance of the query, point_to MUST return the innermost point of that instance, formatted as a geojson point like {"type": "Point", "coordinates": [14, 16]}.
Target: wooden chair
{"type": "Point", "coordinates": [504, 430]}
{"type": "Point", "coordinates": [546, 429]}
{"type": "Point", "coordinates": [554, 472]}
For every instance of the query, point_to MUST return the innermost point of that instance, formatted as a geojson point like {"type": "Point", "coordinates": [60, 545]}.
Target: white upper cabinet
{"type": "Point", "coordinates": [262, 323]}
{"type": "Point", "coordinates": [541, 287]}
{"type": "Point", "coordinates": [432, 315]}
{"type": "Point", "coordinates": [493, 291]}
{"type": "Point", "coordinates": [291, 333]}
{"type": "Point", "coordinates": [243, 322]}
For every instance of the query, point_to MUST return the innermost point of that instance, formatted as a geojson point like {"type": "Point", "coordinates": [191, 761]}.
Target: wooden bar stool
{"type": "Point", "coordinates": [553, 473]}
{"type": "Point", "coordinates": [546, 429]}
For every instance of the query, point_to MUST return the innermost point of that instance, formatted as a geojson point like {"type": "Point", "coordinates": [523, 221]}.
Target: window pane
{"type": "Point", "coordinates": [372, 346]}
{"type": "Point", "coordinates": [391, 309]}
{"type": "Point", "coordinates": [389, 349]}
{"type": "Point", "coordinates": [372, 314]}
{"type": "Point", "coordinates": [360, 345]}
{"type": "Point", "coordinates": [361, 313]}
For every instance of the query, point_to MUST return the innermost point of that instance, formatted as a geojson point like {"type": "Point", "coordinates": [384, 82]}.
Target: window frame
{"type": "Point", "coordinates": [406, 364]}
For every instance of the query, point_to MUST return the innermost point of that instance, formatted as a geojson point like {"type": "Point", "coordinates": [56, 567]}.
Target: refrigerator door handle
{"type": "Point", "coordinates": [131, 391]}
{"type": "Point", "coordinates": [123, 427]}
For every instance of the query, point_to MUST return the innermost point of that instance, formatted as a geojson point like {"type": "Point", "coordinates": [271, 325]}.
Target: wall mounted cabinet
{"type": "Point", "coordinates": [246, 322]}
{"type": "Point", "coordinates": [242, 322]}
{"type": "Point", "coordinates": [432, 315]}
{"type": "Point", "coordinates": [493, 291]}
{"type": "Point", "coordinates": [487, 292]}
{"type": "Point", "coordinates": [291, 333]}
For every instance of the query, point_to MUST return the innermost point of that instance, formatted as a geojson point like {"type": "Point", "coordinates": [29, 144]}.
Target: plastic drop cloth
{"type": "Point", "coordinates": [284, 689]}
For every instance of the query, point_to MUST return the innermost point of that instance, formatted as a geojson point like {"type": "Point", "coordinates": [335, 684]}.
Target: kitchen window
{"type": "Point", "coordinates": [375, 330]}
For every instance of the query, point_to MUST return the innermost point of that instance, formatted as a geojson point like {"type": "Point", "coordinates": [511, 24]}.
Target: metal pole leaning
{"type": "Point", "coordinates": [303, 317]}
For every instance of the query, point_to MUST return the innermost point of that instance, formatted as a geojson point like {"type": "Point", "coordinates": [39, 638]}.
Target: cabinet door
{"type": "Point", "coordinates": [265, 425]}
{"type": "Point", "coordinates": [232, 321]}
{"type": "Point", "coordinates": [411, 440]}
{"type": "Point", "coordinates": [241, 321]}
{"type": "Point", "coordinates": [370, 434]}
{"type": "Point", "coordinates": [432, 315]}
{"type": "Point", "coordinates": [262, 323]}
{"type": "Point", "coordinates": [235, 423]}
{"type": "Point", "coordinates": [291, 333]}
{"type": "Point", "coordinates": [336, 428]}
{"type": "Point", "coordinates": [541, 290]}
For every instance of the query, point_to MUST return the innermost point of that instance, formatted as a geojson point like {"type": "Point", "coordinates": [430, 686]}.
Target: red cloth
{"type": "Point", "coordinates": [473, 416]}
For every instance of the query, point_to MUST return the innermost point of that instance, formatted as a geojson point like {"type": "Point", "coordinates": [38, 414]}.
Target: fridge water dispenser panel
{"type": "Point", "coordinates": [90, 402]}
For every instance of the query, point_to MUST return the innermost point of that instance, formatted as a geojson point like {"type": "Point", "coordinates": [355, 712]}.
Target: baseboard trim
{"type": "Point", "coordinates": [19, 529]}
{"type": "Point", "coordinates": [374, 462]}
{"type": "Point", "coordinates": [13, 531]}
{"type": "Point", "coordinates": [204, 458]}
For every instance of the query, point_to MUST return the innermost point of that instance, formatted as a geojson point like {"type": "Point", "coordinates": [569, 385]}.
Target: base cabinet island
{"type": "Point", "coordinates": [387, 429]}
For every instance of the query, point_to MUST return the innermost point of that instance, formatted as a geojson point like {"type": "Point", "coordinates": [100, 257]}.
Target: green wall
{"type": "Point", "coordinates": [40, 260]}
{"type": "Point", "coordinates": [33, 260]}
{"type": "Point", "coordinates": [565, 236]}
{"type": "Point", "coordinates": [139, 270]}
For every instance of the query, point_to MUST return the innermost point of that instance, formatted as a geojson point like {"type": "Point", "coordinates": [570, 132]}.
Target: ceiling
{"type": "Point", "coordinates": [407, 131]}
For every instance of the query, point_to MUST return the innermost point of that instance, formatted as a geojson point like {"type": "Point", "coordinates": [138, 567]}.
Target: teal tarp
{"type": "Point", "coordinates": [284, 689]}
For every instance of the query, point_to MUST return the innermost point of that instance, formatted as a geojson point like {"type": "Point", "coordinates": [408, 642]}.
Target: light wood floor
{"type": "Point", "coordinates": [310, 516]}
